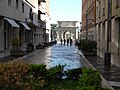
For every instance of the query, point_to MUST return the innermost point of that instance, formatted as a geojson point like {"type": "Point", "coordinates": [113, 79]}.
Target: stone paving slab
{"type": "Point", "coordinates": [113, 83]}
{"type": "Point", "coordinates": [4, 53]}
{"type": "Point", "coordinates": [112, 75]}
{"type": "Point", "coordinates": [87, 64]}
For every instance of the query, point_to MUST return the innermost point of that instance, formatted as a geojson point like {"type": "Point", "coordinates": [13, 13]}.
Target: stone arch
{"type": "Point", "coordinates": [67, 29]}
{"type": "Point", "coordinates": [66, 34]}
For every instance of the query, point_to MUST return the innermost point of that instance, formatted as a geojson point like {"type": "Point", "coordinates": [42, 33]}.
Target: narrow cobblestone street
{"type": "Point", "coordinates": [57, 54]}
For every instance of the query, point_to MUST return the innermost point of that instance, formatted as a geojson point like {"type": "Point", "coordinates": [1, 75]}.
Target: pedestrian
{"type": "Point", "coordinates": [61, 41]}
{"type": "Point", "coordinates": [64, 41]}
{"type": "Point", "coordinates": [67, 42]}
{"type": "Point", "coordinates": [70, 41]}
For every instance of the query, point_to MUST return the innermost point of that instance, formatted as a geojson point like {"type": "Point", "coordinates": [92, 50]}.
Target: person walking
{"type": "Point", "coordinates": [67, 42]}
{"type": "Point", "coordinates": [61, 41]}
{"type": "Point", "coordinates": [70, 41]}
{"type": "Point", "coordinates": [64, 41]}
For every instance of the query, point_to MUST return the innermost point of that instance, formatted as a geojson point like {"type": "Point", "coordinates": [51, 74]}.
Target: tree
{"type": "Point", "coordinates": [53, 31]}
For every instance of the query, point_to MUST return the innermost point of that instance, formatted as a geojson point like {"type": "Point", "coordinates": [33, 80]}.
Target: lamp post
{"type": "Point", "coordinates": [107, 61]}
{"type": "Point", "coordinates": [86, 28]}
{"type": "Point", "coordinates": [87, 25]}
{"type": "Point", "coordinates": [80, 29]}
{"type": "Point", "coordinates": [78, 34]}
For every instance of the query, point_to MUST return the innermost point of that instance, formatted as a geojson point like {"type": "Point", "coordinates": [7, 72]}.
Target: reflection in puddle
{"type": "Point", "coordinates": [58, 54]}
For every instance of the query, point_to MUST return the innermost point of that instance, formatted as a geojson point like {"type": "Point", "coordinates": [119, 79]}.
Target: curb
{"type": "Point", "coordinates": [87, 64]}
{"type": "Point", "coordinates": [32, 53]}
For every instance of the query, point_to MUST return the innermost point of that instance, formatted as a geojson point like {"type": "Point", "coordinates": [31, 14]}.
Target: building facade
{"type": "Point", "coordinates": [13, 24]}
{"type": "Point", "coordinates": [47, 19]}
{"type": "Point", "coordinates": [40, 32]}
{"type": "Point", "coordinates": [88, 29]}
{"type": "Point", "coordinates": [21, 22]}
{"type": "Point", "coordinates": [108, 30]}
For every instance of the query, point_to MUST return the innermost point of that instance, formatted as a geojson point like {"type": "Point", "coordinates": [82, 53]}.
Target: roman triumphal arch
{"type": "Point", "coordinates": [67, 29]}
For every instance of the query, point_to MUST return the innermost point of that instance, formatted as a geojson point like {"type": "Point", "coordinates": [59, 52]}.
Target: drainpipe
{"type": "Point", "coordinates": [86, 28]}
{"type": "Point", "coordinates": [119, 39]}
{"type": "Point", "coordinates": [107, 61]}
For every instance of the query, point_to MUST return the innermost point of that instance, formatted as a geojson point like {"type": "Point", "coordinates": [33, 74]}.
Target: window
{"type": "Point", "coordinates": [17, 4]}
{"type": "Point", "coordinates": [91, 2]}
{"type": "Point", "coordinates": [97, 12]}
{"type": "Point", "coordinates": [9, 2]}
{"type": "Point", "coordinates": [23, 7]}
{"type": "Point", "coordinates": [38, 2]}
{"type": "Point", "coordinates": [99, 28]}
{"type": "Point", "coordinates": [99, 9]}
{"type": "Point", "coordinates": [39, 15]}
{"type": "Point", "coordinates": [117, 3]}
{"type": "Point", "coordinates": [31, 14]}
{"type": "Point", "coordinates": [104, 3]}
{"type": "Point", "coordinates": [119, 38]}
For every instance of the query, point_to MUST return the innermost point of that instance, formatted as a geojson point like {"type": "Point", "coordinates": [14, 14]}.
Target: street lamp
{"type": "Point", "coordinates": [107, 61]}
{"type": "Point", "coordinates": [78, 34]}
{"type": "Point", "coordinates": [80, 30]}
{"type": "Point", "coordinates": [87, 26]}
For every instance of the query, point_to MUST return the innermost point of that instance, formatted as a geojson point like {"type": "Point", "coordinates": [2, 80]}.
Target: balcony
{"type": "Point", "coordinates": [41, 9]}
{"type": "Point", "coordinates": [42, 0]}
{"type": "Point", "coordinates": [28, 20]}
{"type": "Point", "coordinates": [42, 24]}
{"type": "Point", "coordinates": [117, 4]}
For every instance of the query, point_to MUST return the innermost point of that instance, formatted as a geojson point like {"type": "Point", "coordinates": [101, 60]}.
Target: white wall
{"type": "Point", "coordinates": [114, 43]}
{"type": "Point", "coordinates": [26, 10]}
{"type": "Point", "coordinates": [35, 11]}
{"type": "Point", "coordinates": [11, 11]}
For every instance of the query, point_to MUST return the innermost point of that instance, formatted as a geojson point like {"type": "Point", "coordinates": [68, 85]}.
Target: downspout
{"type": "Point", "coordinates": [95, 19]}
{"type": "Point", "coordinates": [119, 39]}
{"type": "Point", "coordinates": [86, 27]}
{"type": "Point", "coordinates": [107, 62]}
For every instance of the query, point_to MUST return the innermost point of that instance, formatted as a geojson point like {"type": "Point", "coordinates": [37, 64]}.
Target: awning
{"type": "Point", "coordinates": [12, 22]}
{"type": "Point", "coordinates": [26, 26]}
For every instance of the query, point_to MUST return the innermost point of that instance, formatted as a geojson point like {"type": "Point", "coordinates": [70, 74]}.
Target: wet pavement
{"type": "Point", "coordinates": [112, 75]}
{"type": "Point", "coordinates": [57, 54]}
{"type": "Point", "coordinates": [11, 58]}
{"type": "Point", "coordinates": [7, 59]}
{"type": "Point", "coordinates": [73, 58]}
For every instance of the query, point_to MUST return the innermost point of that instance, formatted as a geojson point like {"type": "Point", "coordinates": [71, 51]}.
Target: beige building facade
{"type": "Point", "coordinates": [21, 22]}
{"type": "Point", "coordinates": [13, 25]}
{"type": "Point", "coordinates": [108, 30]}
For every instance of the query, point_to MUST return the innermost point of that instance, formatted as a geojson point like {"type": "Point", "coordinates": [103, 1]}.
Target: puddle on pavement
{"type": "Point", "coordinates": [63, 55]}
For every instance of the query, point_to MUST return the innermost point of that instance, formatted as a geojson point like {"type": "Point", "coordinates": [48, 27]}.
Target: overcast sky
{"type": "Point", "coordinates": [65, 10]}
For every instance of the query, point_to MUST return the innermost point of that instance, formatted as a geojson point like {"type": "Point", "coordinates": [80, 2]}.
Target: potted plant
{"type": "Point", "coordinates": [15, 43]}
{"type": "Point", "coordinates": [30, 47]}
{"type": "Point", "coordinates": [15, 48]}
{"type": "Point", "coordinates": [88, 47]}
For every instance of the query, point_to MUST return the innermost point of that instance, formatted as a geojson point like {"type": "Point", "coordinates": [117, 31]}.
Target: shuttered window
{"type": "Point", "coordinates": [117, 3]}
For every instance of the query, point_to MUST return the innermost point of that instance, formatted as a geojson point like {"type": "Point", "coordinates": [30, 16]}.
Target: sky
{"type": "Point", "coordinates": [65, 10]}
